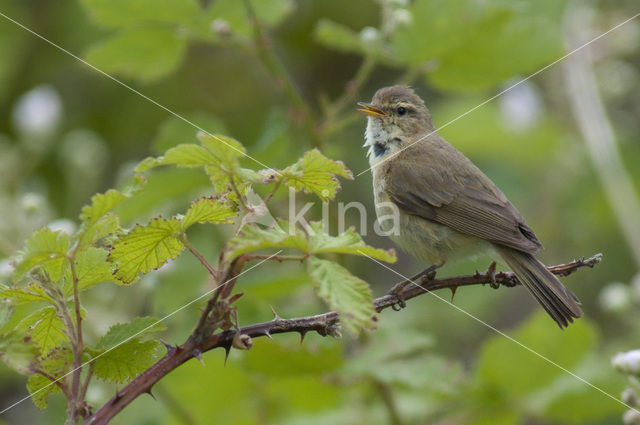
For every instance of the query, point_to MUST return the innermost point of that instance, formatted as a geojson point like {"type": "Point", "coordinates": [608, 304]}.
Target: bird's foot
{"type": "Point", "coordinates": [491, 272]}
{"type": "Point", "coordinates": [397, 289]}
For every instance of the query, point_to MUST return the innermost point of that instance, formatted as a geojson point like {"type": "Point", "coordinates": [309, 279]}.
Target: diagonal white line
{"type": "Point", "coordinates": [138, 333]}
{"type": "Point", "coordinates": [477, 319]}
{"type": "Point", "coordinates": [504, 91]}
{"type": "Point", "coordinates": [125, 85]}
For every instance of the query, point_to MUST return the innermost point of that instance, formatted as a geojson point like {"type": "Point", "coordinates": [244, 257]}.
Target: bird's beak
{"type": "Point", "coordinates": [371, 110]}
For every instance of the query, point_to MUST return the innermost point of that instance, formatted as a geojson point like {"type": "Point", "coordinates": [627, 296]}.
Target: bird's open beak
{"type": "Point", "coordinates": [371, 110]}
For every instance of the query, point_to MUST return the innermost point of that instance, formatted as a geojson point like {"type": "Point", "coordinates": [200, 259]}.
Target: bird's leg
{"type": "Point", "coordinates": [396, 290]}
{"type": "Point", "coordinates": [491, 271]}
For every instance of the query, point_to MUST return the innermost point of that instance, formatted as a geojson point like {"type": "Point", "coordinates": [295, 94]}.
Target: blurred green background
{"type": "Point", "coordinates": [67, 131]}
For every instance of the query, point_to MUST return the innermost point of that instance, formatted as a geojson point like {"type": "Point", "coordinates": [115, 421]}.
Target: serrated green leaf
{"type": "Point", "coordinates": [55, 364]}
{"type": "Point", "coordinates": [124, 13]}
{"type": "Point", "coordinates": [126, 361]}
{"type": "Point", "coordinates": [226, 149]}
{"type": "Point", "coordinates": [19, 352]}
{"type": "Point", "coordinates": [349, 295]}
{"type": "Point", "coordinates": [253, 238]}
{"type": "Point", "coordinates": [47, 249]}
{"type": "Point", "coordinates": [101, 204]}
{"type": "Point", "coordinates": [183, 155]}
{"type": "Point", "coordinates": [315, 173]}
{"type": "Point", "coordinates": [45, 328]}
{"type": "Point", "coordinates": [40, 389]}
{"type": "Point", "coordinates": [208, 210]}
{"type": "Point", "coordinates": [31, 294]}
{"type": "Point", "coordinates": [145, 248]}
{"type": "Point", "coordinates": [145, 53]}
{"type": "Point", "coordinates": [348, 242]}
{"type": "Point", "coordinates": [140, 328]}
{"type": "Point", "coordinates": [92, 268]}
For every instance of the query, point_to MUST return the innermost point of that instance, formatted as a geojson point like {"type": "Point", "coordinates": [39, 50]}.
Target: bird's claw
{"type": "Point", "coordinates": [491, 272]}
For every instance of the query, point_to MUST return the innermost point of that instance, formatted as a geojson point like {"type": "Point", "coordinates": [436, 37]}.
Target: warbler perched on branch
{"type": "Point", "coordinates": [448, 208]}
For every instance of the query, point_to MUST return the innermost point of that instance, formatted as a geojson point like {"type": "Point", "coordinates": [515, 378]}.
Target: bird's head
{"type": "Point", "coordinates": [396, 118]}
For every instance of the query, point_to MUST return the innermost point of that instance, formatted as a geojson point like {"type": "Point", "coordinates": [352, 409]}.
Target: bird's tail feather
{"type": "Point", "coordinates": [561, 304]}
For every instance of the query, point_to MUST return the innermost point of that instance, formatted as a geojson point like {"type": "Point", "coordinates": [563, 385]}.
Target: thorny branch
{"type": "Point", "coordinates": [324, 324]}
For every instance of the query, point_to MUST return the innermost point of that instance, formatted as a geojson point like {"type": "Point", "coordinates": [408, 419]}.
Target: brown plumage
{"type": "Point", "coordinates": [448, 207]}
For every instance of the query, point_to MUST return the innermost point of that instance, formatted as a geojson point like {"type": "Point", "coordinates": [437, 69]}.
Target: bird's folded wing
{"type": "Point", "coordinates": [457, 194]}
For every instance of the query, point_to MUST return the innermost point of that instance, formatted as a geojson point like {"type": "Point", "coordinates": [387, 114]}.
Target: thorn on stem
{"type": "Point", "coordinates": [198, 355]}
{"type": "Point", "coordinates": [275, 315]}
{"type": "Point", "coordinates": [453, 291]}
{"type": "Point", "coordinates": [302, 335]}
{"type": "Point", "coordinates": [227, 350]}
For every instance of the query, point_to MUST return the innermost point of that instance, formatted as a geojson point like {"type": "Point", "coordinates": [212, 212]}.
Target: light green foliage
{"type": "Point", "coordinates": [127, 349]}
{"type": "Point", "coordinates": [253, 238]}
{"type": "Point", "coordinates": [92, 268]}
{"type": "Point", "coordinates": [45, 328]}
{"type": "Point", "coordinates": [55, 364]}
{"type": "Point", "coordinates": [45, 249]}
{"type": "Point", "coordinates": [125, 13]}
{"type": "Point", "coordinates": [101, 204]}
{"type": "Point", "coordinates": [506, 370]}
{"type": "Point", "coordinates": [349, 295]}
{"type": "Point", "coordinates": [140, 328]}
{"type": "Point", "coordinates": [208, 210]}
{"type": "Point", "coordinates": [126, 361]}
{"type": "Point", "coordinates": [270, 12]}
{"type": "Point", "coordinates": [145, 248]}
{"type": "Point", "coordinates": [31, 293]}
{"type": "Point", "coordinates": [348, 242]}
{"type": "Point", "coordinates": [315, 173]}
{"type": "Point", "coordinates": [18, 352]}
{"type": "Point", "coordinates": [144, 53]}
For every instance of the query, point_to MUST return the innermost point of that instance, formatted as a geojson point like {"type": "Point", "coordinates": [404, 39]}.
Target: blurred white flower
{"type": "Point", "coordinates": [38, 111]}
{"type": "Point", "coordinates": [615, 297]}
{"type": "Point", "coordinates": [369, 35]}
{"type": "Point", "coordinates": [631, 417]}
{"type": "Point", "coordinates": [33, 202]}
{"type": "Point", "coordinates": [63, 225]}
{"type": "Point", "coordinates": [6, 268]}
{"type": "Point", "coordinates": [221, 27]}
{"type": "Point", "coordinates": [84, 150]}
{"type": "Point", "coordinates": [628, 362]}
{"type": "Point", "coordinates": [401, 17]}
{"type": "Point", "coordinates": [520, 107]}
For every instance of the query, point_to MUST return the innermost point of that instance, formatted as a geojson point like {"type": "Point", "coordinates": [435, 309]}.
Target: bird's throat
{"type": "Point", "coordinates": [379, 149]}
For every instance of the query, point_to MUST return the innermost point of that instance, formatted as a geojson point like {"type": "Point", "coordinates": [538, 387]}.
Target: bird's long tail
{"type": "Point", "coordinates": [561, 304]}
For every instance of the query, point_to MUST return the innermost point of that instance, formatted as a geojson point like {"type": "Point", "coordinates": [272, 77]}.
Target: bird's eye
{"type": "Point", "coordinates": [401, 110]}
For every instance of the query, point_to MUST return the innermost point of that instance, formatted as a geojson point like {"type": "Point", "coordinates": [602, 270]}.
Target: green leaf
{"type": "Point", "coordinates": [31, 294]}
{"type": "Point", "coordinates": [92, 268]}
{"type": "Point", "coordinates": [47, 249]}
{"type": "Point", "coordinates": [349, 295]}
{"type": "Point", "coordinates": [268, 12]}
{"type": "Point", "coordinates": [144, 53]}
{"type": "Point", "coordinates": [101, 204]}
{"type": "Point", "coordinates": [226, 149]}
{"type": "Point", "coordinates": [55, 364]}
{"type": "Point", "coordinates": [337, 36]}
{"type": "Point", "coordinates": [253, 238]}
{"type": "Point", "coordinates": [45, 328]}
{"type": "Point", "coordinates": [140, 328]}
{"type": "Point", "coordinates": [348, 242]}
{"type": "Point", "coordinates": [475, 45]}
{"type": "Point", "coordinates": [124, 13]}
{"type": "Point", "coordinates": [127, 360]}
{"type": "Point", "coordinates": [183, 155]}
{"type": "Point", "coordinates": [315, 173]}
{"type": "Point", "coordinates": [145, 248]}
{"type": "Point", "coordinates": [18, 352]}
{"type": "Point", "coordinates": [6, 310]}
{"type": "Point", "coordinates": [513, 370]}
{"type": "Point", "coordinates": [208, 210]}
{"type": "Point", "coordinates": [174, 130]}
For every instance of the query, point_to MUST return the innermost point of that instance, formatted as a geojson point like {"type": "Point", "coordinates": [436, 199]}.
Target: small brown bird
{"type": "Point", "coordinates": [448, 208]}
